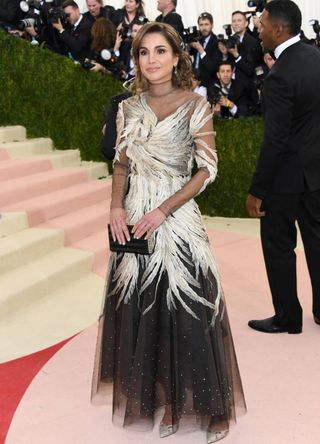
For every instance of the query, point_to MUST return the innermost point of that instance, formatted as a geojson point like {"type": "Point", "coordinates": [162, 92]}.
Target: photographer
{"type": "Point", "coordinates": [169, 15]}
{"type": "Point", "coordinates": [97, 10]}
{"type": "Point", "coordinates": [206, 55]}
{"type": "Point", "coordinates": [37, 24]}
{"type": "Point", "coordinates": [77, 34]}
{"type": "Point", "coordinates": [104, 46]}
{"type": "Point", "coordinates": [9, 13]}
{"type": "Point", "coordinates": [231, 98]}
{"type": "Point", "coordinates": [126, 49]}
{"type": "Point", "coordinates": [244, 51]}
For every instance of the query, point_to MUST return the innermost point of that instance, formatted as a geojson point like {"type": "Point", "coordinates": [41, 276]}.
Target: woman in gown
{"type": "Point", "coordinates": [164, 337]}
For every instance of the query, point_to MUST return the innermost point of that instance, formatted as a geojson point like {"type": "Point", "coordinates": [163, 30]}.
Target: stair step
{"type": "Point", "coordinates": [80, 224]}
{"type": "Point", "coordinates": [12, 133]}
{"type": "Point", "coordinates": [96, 170]}
{"type": "Point", "coordinates": [4, 154]}
{"type": "Point", "coordinates": [47, 321]}
{"type": "Point", "coordinates": [29, 147]}
{"type": "Point", "coordinates": [63, 201]}
{"type": "Point", "coordinates": [17, 190]}
{"type": "Point", "coordinates": [63, 158]}
{"type": "Point", "coordinates": [39, 277]}
{"type": "Point", "coordinates": [12, 223]}
{"type": "Point", "coordinates": [98, 244]}
{"type": "Point", "coordinates": [14, 168]}
{"type": "Point", "coordinates": [25, 246]}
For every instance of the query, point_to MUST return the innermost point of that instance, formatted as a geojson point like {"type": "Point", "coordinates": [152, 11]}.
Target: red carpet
{"type": "Point", "coordinates": [15, 378]}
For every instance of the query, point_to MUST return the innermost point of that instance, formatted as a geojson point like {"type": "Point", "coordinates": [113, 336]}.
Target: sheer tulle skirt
{"type": "Point", "coordinates": [167, 357]}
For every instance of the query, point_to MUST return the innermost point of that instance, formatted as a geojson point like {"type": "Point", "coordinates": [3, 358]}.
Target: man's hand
{"type": "Point", "coordinates": [216, 109]}
{"type": "Point", "coordinates": [253, 205]}
{"type": "Point", "coordinates": [197, 46]}
{"type": "Point", "coordinates": [57, 25]}
{"type": "Point", "coordinates": [234, 52]}
{"type": "Point", "coordinates": [31, 31]}
{"type": "Point", "coordinates": [224, 101]}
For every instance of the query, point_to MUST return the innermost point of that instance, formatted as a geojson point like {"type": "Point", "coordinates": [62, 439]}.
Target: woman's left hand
{"type": "Point", "coordinates": [148, 223]}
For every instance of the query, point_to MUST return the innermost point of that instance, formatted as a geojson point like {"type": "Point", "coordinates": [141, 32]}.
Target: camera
{"type": "Point", "coordinates": [216, 94]}
{"type": "Point", "coordinates": [107, 59]}
{"type": "Point", "coordinates": [55, 14]}
{"type": "Point", "coordinates": [125, 32]}
{"type": "Point", "coordinates": [25, 6]}
{"type": "Point", "coordinates": [258, 4]}
{"type": "Point", "coordinates": [27, 22]}
{"type": "Point", "coordinates": [87, 64]}
{"type": "Point", "coordinates": [316, 28]}
{"type": "Point", "coordinates": [191, 34]}
{"type": "Point", "coordinates": [232, 40]}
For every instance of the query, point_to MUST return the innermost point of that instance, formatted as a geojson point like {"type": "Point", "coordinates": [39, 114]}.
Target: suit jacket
{"type": "Point", "coordinates": [173, 19]}
{"type": "Point", "coordinates": [289, 160]}
{"type": "Point", "coordinates": [244, 96]}
{"type": "Point", "coordinates": [251, 56]}
{"type": "Point", "coordinates": [208, 65]}
{"type": "Point", "coordinates": [110, 135]}
{"type": "Point", "coordinates": [78, 41]}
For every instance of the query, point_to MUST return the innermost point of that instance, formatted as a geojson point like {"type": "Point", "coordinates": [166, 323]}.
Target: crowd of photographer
{"type": "Point", "coordinates": [228, 69]}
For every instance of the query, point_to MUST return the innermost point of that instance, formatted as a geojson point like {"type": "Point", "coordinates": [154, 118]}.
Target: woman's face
{"type": "Point", "coordinates": [131, 6]}
{"type": "Point", "coordinates": [156, 58]}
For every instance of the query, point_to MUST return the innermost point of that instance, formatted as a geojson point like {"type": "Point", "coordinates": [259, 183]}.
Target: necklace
{"type": "Point", "coordinates": [160, 95]}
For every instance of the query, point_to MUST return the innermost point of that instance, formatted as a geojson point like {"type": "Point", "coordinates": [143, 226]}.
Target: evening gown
{"type": "Point", "coordinates": [164, 335]}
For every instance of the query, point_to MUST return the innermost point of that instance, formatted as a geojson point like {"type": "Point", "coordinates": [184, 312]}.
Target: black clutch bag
{"type": "Point", "coordinates": [137, 246]}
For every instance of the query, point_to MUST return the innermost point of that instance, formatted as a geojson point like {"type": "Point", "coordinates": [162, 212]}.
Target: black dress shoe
{"type": "Point", "coordinates": [269, 326]}
{"type": "Point", "coordinates": [316, 319]}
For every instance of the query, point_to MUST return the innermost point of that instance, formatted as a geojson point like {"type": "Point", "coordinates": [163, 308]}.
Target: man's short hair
{"type": "Point", "coordinates": [175, 2]}
{"type": "Point", "coordinates": [205, 16]}
{"type": "Point", "coordinates": [71, 3]}
{"type": "Point", "coordinates": [99, 1]}
{"type": "Point", "coordinates": [286, 12]}
{"type": "Point", "coordinates": [239, 12]}
{"type": "Point", "coordinates": [223, 64]}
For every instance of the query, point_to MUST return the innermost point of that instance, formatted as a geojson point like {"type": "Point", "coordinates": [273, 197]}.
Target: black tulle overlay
{"type": "Point", "coordinates": [167, 357]}
{"type": "Point", "coordinates": [164, 335]}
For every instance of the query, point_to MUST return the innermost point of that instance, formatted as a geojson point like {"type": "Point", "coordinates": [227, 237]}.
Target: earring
{"type": "Point", "coordinates": [175, 71]}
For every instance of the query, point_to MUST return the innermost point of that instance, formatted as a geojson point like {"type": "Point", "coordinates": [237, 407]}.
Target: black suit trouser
{"type": "Point", "coordinates": [279, 239]}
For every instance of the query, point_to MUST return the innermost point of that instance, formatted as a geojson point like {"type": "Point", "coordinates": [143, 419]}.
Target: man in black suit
{"type": "Point", "coordinates": [77, 35]}
{"type": "Point", "coordinates": [286, 184]}
{"type": "Point", "coordinates": [235, 98]}
{"type": "Point", "coordinates": [169, 15]}
{"type": "Point", "coordinates": [97, 10]}
{"type": "Point", "coordinates": [206, 55]}
{"type": "Point", "coordinates": [247, 53]}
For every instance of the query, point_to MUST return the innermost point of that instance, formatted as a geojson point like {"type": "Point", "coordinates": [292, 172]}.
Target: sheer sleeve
{"type": "Point", "coordinates": [201, 129]}
{"type": "Point", "coordinates": [120, 163]}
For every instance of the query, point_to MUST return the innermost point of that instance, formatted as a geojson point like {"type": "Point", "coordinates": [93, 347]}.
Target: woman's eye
{"type": "Point", "coordinates": [142, 52]}
{"type": "Point", "coordinates": [161, 51]}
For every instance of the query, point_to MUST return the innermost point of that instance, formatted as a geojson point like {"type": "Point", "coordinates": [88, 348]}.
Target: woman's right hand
{"type": "Point", "coordinates": [118, 225]}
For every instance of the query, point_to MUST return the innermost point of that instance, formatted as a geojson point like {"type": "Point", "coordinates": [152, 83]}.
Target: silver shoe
{"type": "Point", "coordinates": [167, 430]}
{"type": "Point", "coordinates": [215, 436]}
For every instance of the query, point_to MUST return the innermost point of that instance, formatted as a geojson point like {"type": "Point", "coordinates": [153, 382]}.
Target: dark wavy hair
{"type": "Point", "coordinates": [103, 34]}
{"type": "Point", "coordinates": [140, 10]}
{"type": "Point", "coordinates": [183, 75]}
